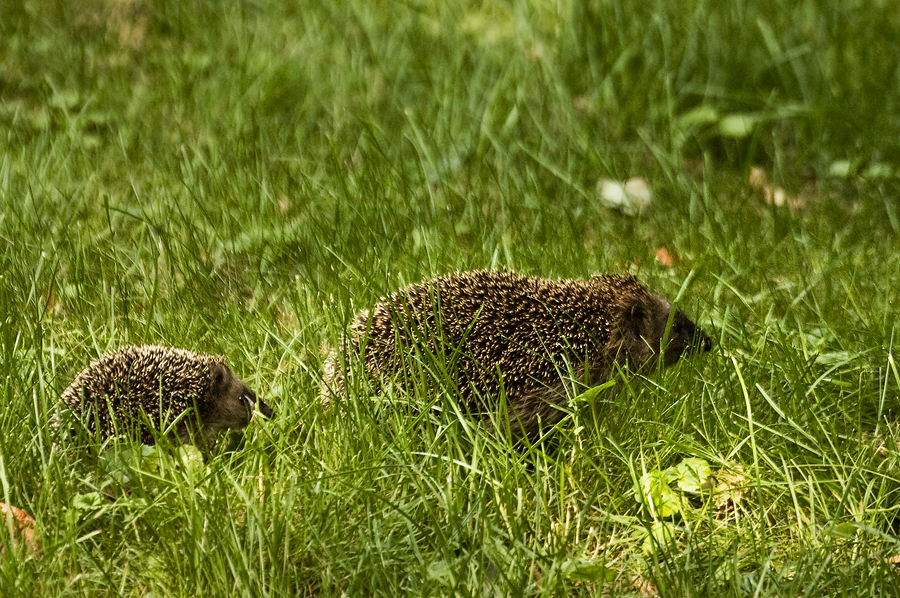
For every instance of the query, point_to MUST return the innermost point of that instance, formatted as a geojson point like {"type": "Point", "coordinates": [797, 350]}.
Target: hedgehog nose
{"type": "Point", "coordinates": [705, 342]}
{"type": "Point", "coordinates": [264, 409]}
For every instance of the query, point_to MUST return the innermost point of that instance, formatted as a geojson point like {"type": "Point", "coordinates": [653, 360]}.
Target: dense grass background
{"type": "Point", "coordinates": [241, 177]}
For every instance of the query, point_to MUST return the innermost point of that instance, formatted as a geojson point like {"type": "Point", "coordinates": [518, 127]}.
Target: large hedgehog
{"type": "Point", "coordinates": [122, 392]}
{"type": "Point", "coordinates": [500, 332]}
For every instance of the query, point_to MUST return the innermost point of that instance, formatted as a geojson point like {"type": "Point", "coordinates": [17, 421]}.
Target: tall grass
{"type": "Point", "coordinates": [241, 178]}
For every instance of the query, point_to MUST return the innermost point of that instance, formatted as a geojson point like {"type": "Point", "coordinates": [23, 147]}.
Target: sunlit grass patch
{"type": "Point", "coordinates": [243, 178]}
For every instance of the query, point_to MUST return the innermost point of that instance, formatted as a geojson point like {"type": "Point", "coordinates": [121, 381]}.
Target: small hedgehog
{"type": "Point", "coordinates": [123, 391]}
{"type": "Point", "coordinates": [502, 332]}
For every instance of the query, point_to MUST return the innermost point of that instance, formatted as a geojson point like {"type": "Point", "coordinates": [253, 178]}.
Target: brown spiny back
{"type": "Point", "coordinates": [529, 332]}
{"type": "Point", "coordinates": [116, 389]}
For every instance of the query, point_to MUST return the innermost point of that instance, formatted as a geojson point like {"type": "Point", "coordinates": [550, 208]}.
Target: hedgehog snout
{"type": "Point", "coordinates": [702, 340]}
{"type": "Point", "coordinates": [697, 339]}
{"type": "Point", "coordinates": [253, 403]}
{"type": "Point", "coordinates": [261, 406]}
{"type": "Point", "coordinates": [685, 337]}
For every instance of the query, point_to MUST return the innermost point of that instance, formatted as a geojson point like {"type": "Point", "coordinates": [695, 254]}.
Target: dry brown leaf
{"type": "Point", "coordinates": [25, 526]}
{"type": "Point", "coordinates": [582, 104]}
{"type": "Point", "coordinates": [537, 576]}
{"type": "Point", "coordinates": [665, 257]}
{"type": "Point", "coordinates": [644, 587]}
{"type": "Point", "coordinates": [639, 191]}
{"type": "Point", "coordinates": [729, 490]}
{"type": "Point", "coordinates": [129, 20]}
{"type": "Point", "coordinates": [758, 179]}
{"type": "Point", "coordinates": [774, 196]}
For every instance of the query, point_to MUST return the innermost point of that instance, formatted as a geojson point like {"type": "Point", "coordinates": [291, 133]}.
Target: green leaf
{"type": "Point", "coordinates": [89, 501]}
{"type": "Point", "coordinates": [737, 125]}
{"type": "Point", "coordinates": [591, 393]}
{"type": "Point", "coordinates": [662, 500]}
{"type": "Point", "coordinates": [701, 115]}
{"type": "Point", "coordinates": [441, 573]}
{"type": "Point", "coordinates": [878, 170]}
{"type": "Point", "coordinates": [845, 530]}
{"type": "Point", "coordinates": [692, 474]}
{"type": "Point", "coordinates": [581, 569]}
{"type": "Point", "coordinates": [841, 169]}
{"type": "Point", "coordinates": [192, 460]}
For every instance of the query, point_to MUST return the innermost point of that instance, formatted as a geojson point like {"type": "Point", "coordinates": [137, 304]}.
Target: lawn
{"type": "Point", "coordinates": [241, 178]}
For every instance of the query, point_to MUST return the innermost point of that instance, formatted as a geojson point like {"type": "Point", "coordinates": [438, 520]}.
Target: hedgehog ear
{"type": "Point", "coordinates": [219, 375]}
{"type": "Point", "coordinates": [637, 311]}
{"type": "Point", "coordinates": [636, 314]}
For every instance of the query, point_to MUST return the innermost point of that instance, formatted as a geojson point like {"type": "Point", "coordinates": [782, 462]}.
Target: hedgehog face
{"type": "Point", "coordinates": [646, 321]}
{"type": "Point", "coordinates": [231, 402]}
{"type": "Point", "coordinates": [684, 337]}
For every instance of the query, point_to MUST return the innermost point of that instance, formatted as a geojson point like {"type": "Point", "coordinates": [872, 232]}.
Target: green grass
{"type": "Point", "coordinates": [242, 177]}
